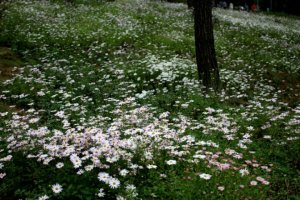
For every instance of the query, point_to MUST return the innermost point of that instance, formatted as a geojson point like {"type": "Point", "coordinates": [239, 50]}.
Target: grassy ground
{"type": "Point", "coordinates": [107, 103]}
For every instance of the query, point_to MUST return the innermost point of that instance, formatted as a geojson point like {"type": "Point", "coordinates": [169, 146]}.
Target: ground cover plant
{"type": "Point", "coordinates": [101, 101]}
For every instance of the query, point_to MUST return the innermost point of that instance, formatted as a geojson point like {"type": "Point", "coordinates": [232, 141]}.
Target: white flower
{"type": "Point", "coordinates": [221, 188]}
{"type": "Point", "coordinates": [81, 171]}
{"type": "Point", "coordinates": [101, 193]}
{"type": "Point", "coordinates": [2, 175]}
{"type": "Point", "coordinates": [124, 172]}
{"type": "Point", "coordinates": [75, 160]}
{"type": "Point", "coordinates": [185, 105]}
{"type": "Point", "coordinates": [148, 155]}
{"type": "Point", "coordinates": [253, 183]}
{"type": "Point", "coordinates": [120, 198]}
{"type": "Point", "coordinates": [244, 172]}
{"type": "Point", "coordinates": [34, 120]}
{"type": "Point", "coordinates": [59, 165]}
{"type": "Point", "coordinates": [250, 128]}
{"type": "Point", "coordinates": [141, 95]}
{"type": "Point", "coordinates": [199, 156]}
{"type": "Point", "coordinates": [7, 158]}
{"type": "Point", "coordinates": [60, 114]}
{"type": "Point", "coordinates": [130, 187]}
{"type": "Point", "coordinates": [113, 183]}
{"type": "Point", "coordinates": [103, 176]}
{"type": "Point", "coordinates": [89, 167]}
{"type": "Point", "coordinates": [171, 162]}
{"type": "Point", "coordinates": [267, 136]}
{"type": "Point", "coordinates": [40, 93]}
{"type": "Point", "coordinates": [57, 188]}
{"type": "Point", "coordinates": [151, 166]}
{"type": "Point", "coordinates": [205, 176]}
{"type": "Point", "coordinates": [43, 197]}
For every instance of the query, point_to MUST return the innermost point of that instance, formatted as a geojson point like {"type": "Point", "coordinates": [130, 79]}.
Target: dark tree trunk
{"type": "Point", "coordinates": [190, 4]}
{"type": "Point", "coordinates": [205, 47]}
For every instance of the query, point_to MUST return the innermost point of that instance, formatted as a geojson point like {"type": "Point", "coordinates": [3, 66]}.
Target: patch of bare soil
{"type": "Point", "coordinates": [9, 64]}
{"type": "Point", "coordinates": [289, 85]}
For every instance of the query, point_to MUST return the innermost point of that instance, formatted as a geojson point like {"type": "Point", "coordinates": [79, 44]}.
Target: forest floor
{"type": "Point", "coordinates": [102, 100]}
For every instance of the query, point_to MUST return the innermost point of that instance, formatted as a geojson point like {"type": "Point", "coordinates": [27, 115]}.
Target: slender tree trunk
{"type": "Point", "coordinates": [204, 40]}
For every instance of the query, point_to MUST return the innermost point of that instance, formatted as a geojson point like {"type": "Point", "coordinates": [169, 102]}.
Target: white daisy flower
{"type": "Point", "coordinates": [205, 176]}
{"type": "Point", "coordinates": [57, 188]}
{"type": "Point", "coordinates": [101, 193]}
{"type": "Point", "coordinates": [103, 176]}
{"type": "Point", "coordinates": [171, 162]}
{"type": "Point", "coordinates": [113, 183]}
{"type": "Point", "coordinates": [244, 172]}
{"type": "Point", "coordinates": [59, 165]}
{"type": "Point", "coordinates": [43, 197]}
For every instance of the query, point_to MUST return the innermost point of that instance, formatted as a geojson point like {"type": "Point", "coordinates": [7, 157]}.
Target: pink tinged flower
{"type": "Point", "coordinates": [253, 183]}
{"type": "Point", "coordinates": [33, 120]}
{"type": "Point", "coordinates": [260, 178]}
{"type": "Point", "coordinates": [2, 175]}
{"type": "Point", "coordinates": [163, 175]}
{"type": "Point", "coordinates": [57, 188]}
{"type": "Point", "coordinates": [224, 166]}
{"type": "Point", "coordinates": [238, 156]}
{"type": "Point", "coordinates": [5, 159]}
{"type": "Point", "coordinates": [265, 182]}
{"type": "Point", "coordinates": [255, 165]}
{"type": "Point", "coordinates": [76, 161]}
{"type": "Point", "coordinates": [103, 176]}
{"type": "Point", "coordinates": [215, 156]}
{"type": "Point", "coordinates": [248, 162]}
{"type": "Point", "coordinates": [205, 176]}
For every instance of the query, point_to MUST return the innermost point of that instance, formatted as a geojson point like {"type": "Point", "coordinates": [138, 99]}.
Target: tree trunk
{"type": "Point", "coordinates": [205, 47]}
{"type": "Point", "coordinates": [190, 4]}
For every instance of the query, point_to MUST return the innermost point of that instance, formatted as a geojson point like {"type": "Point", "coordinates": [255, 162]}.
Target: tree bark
{"type": "Point", "coordinates": [190, 4]}
{"type": "Point", "coordinates": [204, 41]}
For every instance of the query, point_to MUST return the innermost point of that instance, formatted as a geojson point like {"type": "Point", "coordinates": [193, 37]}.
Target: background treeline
{"type": "Point", "coordinates": [287, 6]}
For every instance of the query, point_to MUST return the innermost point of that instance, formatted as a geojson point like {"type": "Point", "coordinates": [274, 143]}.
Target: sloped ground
{"type": "Point", "coordinates": [113, 108]}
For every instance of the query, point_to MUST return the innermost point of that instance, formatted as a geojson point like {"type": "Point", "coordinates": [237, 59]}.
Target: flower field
{"type": "Point", "coordinates": [104, 103]}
